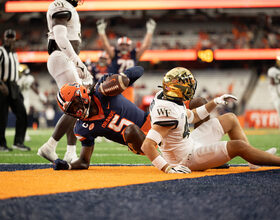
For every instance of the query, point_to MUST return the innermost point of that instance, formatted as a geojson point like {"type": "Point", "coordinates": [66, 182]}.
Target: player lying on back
{"type": "Point", "coordinates": [103, 111]}
{"type": "Point", "coordinates": [182, 151]}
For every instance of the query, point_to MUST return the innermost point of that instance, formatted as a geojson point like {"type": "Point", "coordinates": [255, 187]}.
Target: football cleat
{"type": "Point", "coordinates": [272, 150]}
{"type": "Point", "coordinates": [47, 152]}
{"type": "Point", "coordinates": [70, 156]}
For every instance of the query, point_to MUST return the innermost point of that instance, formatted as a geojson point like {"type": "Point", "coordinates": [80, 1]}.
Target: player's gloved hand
{"type": "Point", "coordinates": [81, 68]}
{"type": "Point", "coordinates": [177, 169]}
{"type": "Point", "coordinates": [151, 25]}
{"type": "Point", "coordinates": [59, 164]}
{"type": "Point", "coordinates": [43, 98]}
{"type": "Point", "coordinates": [101, 26]}
{"type": "Point", "coordinates": [88, 81]}
{"type": "Point", "coordinates": [224, 99]}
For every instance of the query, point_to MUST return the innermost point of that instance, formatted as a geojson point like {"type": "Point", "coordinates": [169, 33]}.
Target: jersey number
{"type": "Point", "coordinates": [118, 128]}
{"type": "Point", "coordinates": [125, 64]}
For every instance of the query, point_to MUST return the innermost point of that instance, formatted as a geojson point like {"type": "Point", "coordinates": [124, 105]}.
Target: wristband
{"type": "Point", "coordinates": [159, 162]}
{"type": "Point", "coordinates": [190, 119]}
{"type": "Point", "coordinates": [155, 136]}
{"type": "Point", "coordinates": [202, 112]}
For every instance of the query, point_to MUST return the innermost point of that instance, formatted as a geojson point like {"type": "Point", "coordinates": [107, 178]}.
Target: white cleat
{"type": "Point", "coordinates": [70, 157]}
{"type": "Point", "coordinates": [47, 152]}
{"type": "Point", "coordinates": [272, 150]}
{"type": "Point", "coordinates": [98, 139]}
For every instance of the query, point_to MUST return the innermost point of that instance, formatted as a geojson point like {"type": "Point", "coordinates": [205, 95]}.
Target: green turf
{"type": "Point", "coordinates": [114, 153]}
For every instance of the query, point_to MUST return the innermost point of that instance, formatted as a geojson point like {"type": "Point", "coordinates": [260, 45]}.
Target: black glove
{"type": "Point", "coordinates": [59, 164]}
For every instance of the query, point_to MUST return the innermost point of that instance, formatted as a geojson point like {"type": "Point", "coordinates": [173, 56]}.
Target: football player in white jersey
{"type": "Point", "coordinates": [182, 151]}
{"type": "Point", "coordinates": [274, 86]}
{"type": "Point", "coordinates": [27, 83]}
{"type": "Point", "coordinates": [65, 66]}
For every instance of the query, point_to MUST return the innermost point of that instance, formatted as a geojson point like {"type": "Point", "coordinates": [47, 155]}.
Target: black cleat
{"type": "Point", "coordinates": [5, 149]}
{"type": "Point", "coordinates": [21, 147]}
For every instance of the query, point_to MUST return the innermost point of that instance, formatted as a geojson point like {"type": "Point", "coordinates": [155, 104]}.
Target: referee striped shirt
{"type": "Point", "coordinates": [8, 65]}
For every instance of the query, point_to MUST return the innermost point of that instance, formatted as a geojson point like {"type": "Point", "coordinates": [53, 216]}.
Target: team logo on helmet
{"type": "Point", "coordinates": [179, 84]}
{"type": "Point", "coordinates": [73, 99]}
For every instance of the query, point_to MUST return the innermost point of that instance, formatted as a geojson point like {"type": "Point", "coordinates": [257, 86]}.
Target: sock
{"type": "Point", "coordinates": [52, 143]}
{"type": "Point", "coordinates": [71, 148]}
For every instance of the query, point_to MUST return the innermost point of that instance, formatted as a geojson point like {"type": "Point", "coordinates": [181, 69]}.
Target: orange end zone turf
{"type": "Point", "coordinates": [47, 181]}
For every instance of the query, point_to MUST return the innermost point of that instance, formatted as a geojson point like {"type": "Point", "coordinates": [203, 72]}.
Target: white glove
{"type": "Point", "coordinates": [88, 81]}
{"type": "Point", "coordinates": [43, 98]}
{"type": "Point", "coordinates": [101, 26]}
{"type": "Point", "coordinates": [151, 25]}
{"type": "Point", "coordinates": [177, 169]}
{"type": "Point", "coordinates": [224, 99]}
{"type": "Point", "coordinates": [81, 68]}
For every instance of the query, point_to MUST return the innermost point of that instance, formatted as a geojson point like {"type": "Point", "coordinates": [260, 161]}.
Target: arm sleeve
{"type": "Point", "coordinates": [134, 73]}
{"type": "Point", "coordinates": [60, 35]}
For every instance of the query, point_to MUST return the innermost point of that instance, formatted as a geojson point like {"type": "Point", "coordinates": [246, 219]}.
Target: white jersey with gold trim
{"type": "Point", "coordinates": [177, 142]}
{"type": "Point", "coordinates": [274, 73]}
{"type": "Point", "coordinates": [73, 25]}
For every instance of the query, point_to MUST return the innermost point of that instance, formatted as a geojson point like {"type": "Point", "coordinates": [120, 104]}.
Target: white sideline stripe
{"type": "Point", "coordinates": [98, 155]}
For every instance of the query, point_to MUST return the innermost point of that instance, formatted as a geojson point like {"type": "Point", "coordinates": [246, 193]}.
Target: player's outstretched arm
{"type": "Point", "coordinates": [153, 138]}
{"type": "Point", "coordinates": [101, 26]}
{"type": "Point", "coordinates": [60, 34]}
{"type": "Point", "coordinates": [134, 73]}
{"type": "Point", "coordinates": [82, 163]}
{"type": "Point", "coordinates": [150, 25]}
{"type": "Point", "coordinates": [203, 111]}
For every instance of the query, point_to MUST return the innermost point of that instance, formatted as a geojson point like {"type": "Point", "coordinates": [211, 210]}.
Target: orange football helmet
{"type": "Point", "coordinates": [73, 99]}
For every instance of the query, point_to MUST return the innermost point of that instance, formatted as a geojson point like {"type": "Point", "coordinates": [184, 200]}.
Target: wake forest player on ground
{"type": "Point", "coordinates": [201, 149]}
{"type": "Point", "coordinates": [65, 66]}
{"type": "Point", "coordinates": [124, 56]}
{"type": "Point", "coordinates": [113, 117]}
{"type": "Point", "coordinates": [274, 87]}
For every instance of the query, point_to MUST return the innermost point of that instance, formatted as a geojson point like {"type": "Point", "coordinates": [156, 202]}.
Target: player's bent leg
{"type": "Point", "coordinates": [134, 138]}
{"type": "Point", "coordinates": [251, 154]}
{"type": "Point", "coordinates": [232, 127]}
{"type": "Point", "coordinates": [272, 150]}
{"type": "Point", "coordinates": [62, 69]}
{"type": "Point", "coordinates": [47, 150]}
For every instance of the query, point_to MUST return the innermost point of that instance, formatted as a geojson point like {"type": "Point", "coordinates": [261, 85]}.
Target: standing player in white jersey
{"type": "Point", "coordinates": [65, 66]}
{"type": "Point", "coordinates": [274, 86]}
{"type": "Point", "coordinates": [201, 149]}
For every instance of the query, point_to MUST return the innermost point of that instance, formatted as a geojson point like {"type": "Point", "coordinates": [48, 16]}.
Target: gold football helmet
{"type": "Point", "coordinates": [23, 69]}
{"type": "Point", "coordinates": [179, 84]}
{"type": "Point", "coordinates": [278, 61]}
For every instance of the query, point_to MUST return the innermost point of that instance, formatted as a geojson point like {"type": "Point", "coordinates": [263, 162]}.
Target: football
{"type": "Point", "coordinates": [114, 85]}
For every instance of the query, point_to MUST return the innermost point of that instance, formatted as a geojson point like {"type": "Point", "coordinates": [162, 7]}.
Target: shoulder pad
{"type": "Point", "coordinates": [62, 14]}
{"type": "Point", "coordinates": [167, 123]}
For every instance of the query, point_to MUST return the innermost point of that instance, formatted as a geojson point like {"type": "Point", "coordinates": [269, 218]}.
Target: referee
{"type": "Point", "coordinates": [12, 98]}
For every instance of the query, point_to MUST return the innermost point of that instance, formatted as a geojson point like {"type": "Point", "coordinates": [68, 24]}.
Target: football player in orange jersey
{"type": "Point", "coordinates": [124, 55]}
